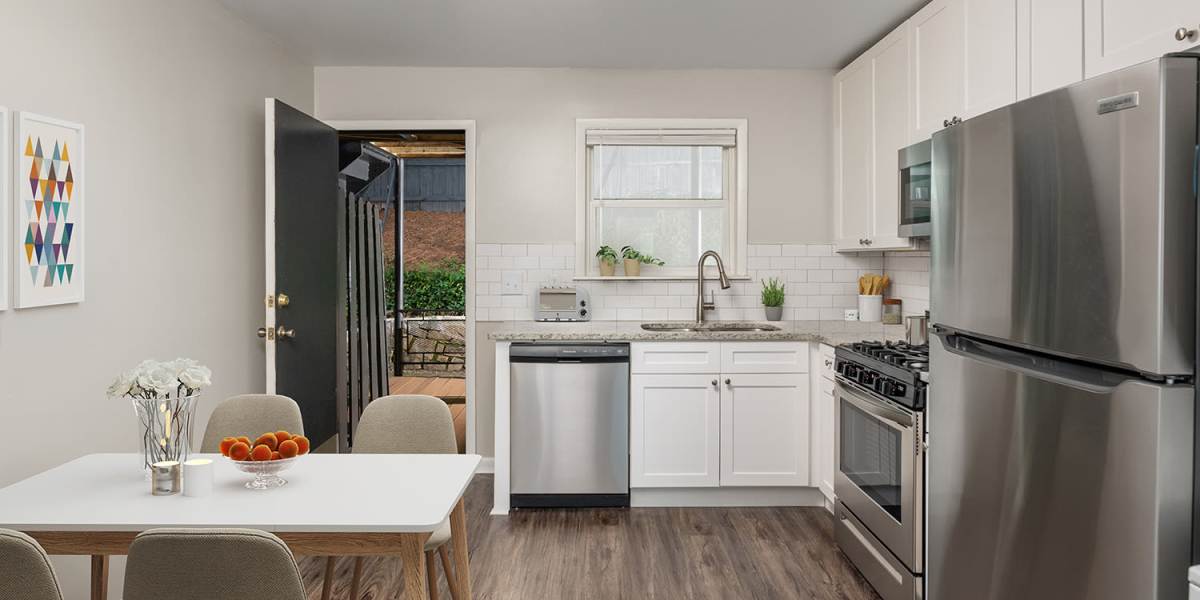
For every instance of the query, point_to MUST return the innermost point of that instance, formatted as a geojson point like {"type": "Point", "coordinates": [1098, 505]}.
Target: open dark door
{"type": "Point", "coordinates": [305, 268]}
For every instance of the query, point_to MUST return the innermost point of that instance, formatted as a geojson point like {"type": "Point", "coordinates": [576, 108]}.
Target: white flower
{"type": "Point", "coordinates": [157, 377]}
{"type": "Point", "coordinates": [122, 385]}
{"type": "Point", "coordinates": [182, 364]}
{"type": "Point", "coordinates": [195, 377]}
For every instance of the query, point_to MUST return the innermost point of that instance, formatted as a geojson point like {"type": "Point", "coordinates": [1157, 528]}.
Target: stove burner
{"type": "Point", "coordinates": [895, 370]}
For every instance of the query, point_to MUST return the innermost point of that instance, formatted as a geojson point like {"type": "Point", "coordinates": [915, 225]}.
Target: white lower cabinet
{"type": "Point", "coordinates": [728, 427]}
{"type": "Point", "coordinates": [764, 429]}
{"type": "Point", "coordinates": [674, 426]}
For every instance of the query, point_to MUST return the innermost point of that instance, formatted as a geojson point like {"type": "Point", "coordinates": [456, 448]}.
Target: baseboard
{"type": "Point", "coordinates": [726, 497]}
{"type": "Point", "coordinates": [487, 464]}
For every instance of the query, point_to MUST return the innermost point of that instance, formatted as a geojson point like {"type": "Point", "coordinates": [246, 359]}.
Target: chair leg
{"type": "Point", "coordinates": [356, 579]}
{"type": "Point", "coordinates": [431, 574]}
{"type": "Point", "coordinates": [451, 580]}
{"type": "Point", "coordinates": [327, 585]}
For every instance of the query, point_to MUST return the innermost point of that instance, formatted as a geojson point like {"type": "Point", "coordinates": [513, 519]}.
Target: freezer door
{"type": "Point", "coordinates": [1066, 222]}
{"type": "Point", "coordinates": [1052, 481]}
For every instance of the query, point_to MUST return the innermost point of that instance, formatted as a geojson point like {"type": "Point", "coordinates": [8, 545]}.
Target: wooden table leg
{"type": "Point", "coordinates": [327, 584]}
{"type": "Point", "coordinates": [356, 579]}
{"type": "Point", "coordinates": [99, 577]}
{"type": "Point", "coordinates": [412, 555]}
{"type": "Point", "coordinates": [458, 537]}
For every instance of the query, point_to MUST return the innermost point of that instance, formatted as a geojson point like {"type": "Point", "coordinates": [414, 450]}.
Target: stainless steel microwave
{"type": "Point", "coordinates": [916, 170]}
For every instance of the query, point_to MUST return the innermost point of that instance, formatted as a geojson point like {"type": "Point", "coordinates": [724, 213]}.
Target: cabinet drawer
{"type": "Point", "coordinates": [671, 357]}
{"type": "Point", "coordinates": [764, 357]}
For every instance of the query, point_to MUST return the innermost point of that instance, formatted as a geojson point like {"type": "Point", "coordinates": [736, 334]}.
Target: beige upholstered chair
{"type": "Point", "coordinates": [211, 564]}
{"type": "Point", "coordinates": [25, 571]}
{"type": "Point", "coordinates": [251, 415]}
{"type": "Point", "coordinates": [409, 424]}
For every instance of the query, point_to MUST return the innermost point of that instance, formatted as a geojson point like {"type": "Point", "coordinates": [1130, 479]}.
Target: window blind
{"type": "Point", "coordinates": [662, 137]}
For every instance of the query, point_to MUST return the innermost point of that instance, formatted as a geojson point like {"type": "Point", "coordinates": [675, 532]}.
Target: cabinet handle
{"type": "Point", "coordinates": [1183, 33]}
{"type": "Point", "coordinates": [714, 383]}
{"type": "Point", "coordinates": [728, 382]}
{"type": "Point", "coordinates": [867, 242]}
{"type": "Point", "coordinates": [945, 122]}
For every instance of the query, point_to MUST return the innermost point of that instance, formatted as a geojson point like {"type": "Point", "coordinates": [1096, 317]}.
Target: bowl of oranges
{"type": "Point", "coordinates": [265, 458]}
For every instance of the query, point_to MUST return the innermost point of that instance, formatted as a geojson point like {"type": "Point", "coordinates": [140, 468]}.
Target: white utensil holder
{"type": "Point", "coordinates": [870, 308]}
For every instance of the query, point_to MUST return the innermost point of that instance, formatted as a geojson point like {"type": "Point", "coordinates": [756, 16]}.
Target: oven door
{"type": "Point", "coordinates": [880, 469]}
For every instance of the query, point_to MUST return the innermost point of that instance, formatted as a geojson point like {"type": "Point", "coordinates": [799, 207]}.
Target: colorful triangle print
{"type": "Point", "coordinates": [65, 157]}
{"type": "Point", "coordinates": [28, 146]}
{"type": "Point", "coordinates": [70, 272]}
{"type": "Point", "coordinates": [56, 155]}
{"type": "Point", "coordinates": [37, 151]}
{"type": "Point", "coordinates": [33, 272]}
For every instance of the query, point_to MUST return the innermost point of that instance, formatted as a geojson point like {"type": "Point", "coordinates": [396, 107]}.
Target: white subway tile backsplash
{"type": "Point", "coordinates": [820, 284]}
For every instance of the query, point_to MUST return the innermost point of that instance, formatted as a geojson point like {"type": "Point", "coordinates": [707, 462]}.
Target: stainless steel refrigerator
{"type": "Point", "coordinates": [1061, 408]}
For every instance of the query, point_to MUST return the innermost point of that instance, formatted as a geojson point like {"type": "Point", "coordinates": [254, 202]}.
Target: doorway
{"type": "Point", "coordinates": [430, 320]}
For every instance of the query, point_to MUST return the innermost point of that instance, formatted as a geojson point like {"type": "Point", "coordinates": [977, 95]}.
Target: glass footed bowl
{"type": "Point", "coordinates": [265, 472]}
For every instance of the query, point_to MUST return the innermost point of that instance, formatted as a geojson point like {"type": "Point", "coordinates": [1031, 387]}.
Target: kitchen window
{"type": "Point", "coordinates": [671, 189]}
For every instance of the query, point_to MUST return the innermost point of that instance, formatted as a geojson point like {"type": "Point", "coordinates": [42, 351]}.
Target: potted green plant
{"type": "Point", "coordinates": [635, 259]}
{"type": "Point", "coordinates": [608, 260]}
{"type": "Point", "coordinates": [772, 298]}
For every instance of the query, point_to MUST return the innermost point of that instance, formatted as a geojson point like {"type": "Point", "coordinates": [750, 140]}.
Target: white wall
{"type": "Point", "coordinates": [525, 128]}
{"type": "Point", "coordinates": [170, 92]}
{"type": "Point", "coordinates": [525, 170]}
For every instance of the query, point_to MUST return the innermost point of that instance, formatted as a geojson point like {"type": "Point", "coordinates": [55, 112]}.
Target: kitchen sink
{"type": "Point", "coordinates": [702, 327]}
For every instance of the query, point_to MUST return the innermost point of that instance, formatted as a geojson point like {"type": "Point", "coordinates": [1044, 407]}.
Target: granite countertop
{"type": "Point", "coordinates": [828, 332]}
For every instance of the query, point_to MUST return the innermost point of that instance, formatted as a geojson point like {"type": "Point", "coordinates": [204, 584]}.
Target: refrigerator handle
{"type": "Point", "coordinates": [1063, 371]}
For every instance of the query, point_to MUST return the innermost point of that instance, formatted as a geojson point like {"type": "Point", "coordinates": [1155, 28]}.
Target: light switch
{"type": "Point", "coordinates": [512, 283]}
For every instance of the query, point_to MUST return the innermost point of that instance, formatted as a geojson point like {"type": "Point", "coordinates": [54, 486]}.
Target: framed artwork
{"type": "Point", "coordinates": [48, 211]}
{"type": "Point", "coordinates": [5, 190]}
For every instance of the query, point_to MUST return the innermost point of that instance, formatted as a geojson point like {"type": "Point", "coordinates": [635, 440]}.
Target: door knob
{"type": "Point", "coordinates": [262, 332]}
{"type": "Point", "coordinates": [282, 299]}
{"type": "Point", "coordinates": [1183, 33]}
{"type": "Point", "coordinates": [282, 332]}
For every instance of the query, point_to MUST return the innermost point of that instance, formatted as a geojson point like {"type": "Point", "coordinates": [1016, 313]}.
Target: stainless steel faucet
{"type": "Point", "coordinates": [701, 305]}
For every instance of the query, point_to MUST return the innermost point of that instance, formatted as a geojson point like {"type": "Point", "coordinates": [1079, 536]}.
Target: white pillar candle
{"type": "Point", "coordinates": [198, 477]}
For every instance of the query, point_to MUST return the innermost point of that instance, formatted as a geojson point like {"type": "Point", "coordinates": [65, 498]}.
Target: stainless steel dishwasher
{"type": "Point", "coordinates": [569, 424]}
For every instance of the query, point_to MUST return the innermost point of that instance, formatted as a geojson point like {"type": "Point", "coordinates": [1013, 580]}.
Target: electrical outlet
{"type": "Point", "coordinates": [851, 314]}
{"type": "Point", "coordinates": [512, 282]}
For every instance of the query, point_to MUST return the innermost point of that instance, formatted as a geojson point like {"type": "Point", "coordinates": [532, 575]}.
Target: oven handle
{"type": "Point", "coordinates": [885, 413]}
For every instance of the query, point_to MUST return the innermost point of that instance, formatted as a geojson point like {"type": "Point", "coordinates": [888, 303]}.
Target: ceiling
{"type": "Point", "coordinates": [667, 34]}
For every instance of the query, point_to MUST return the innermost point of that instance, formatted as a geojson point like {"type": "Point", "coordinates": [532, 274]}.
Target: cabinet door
{"type": "Point", "coordinates": [764, 430]}
{"type": "Point", "coordinates": [990, 40]}
{"type": "Point", "coordinates": [938, 68]}
{"type": "Point", "coordinates": [1120, 33]}
{"type": "Point", "coordinates": [824, 420]}
{"type": "Point", "coordinates": [674, 426]}
{"type": "Point", "coordinates": [890, 59]}
{"type": "Point", "coordinates": [1049, 45]}
{"type": "Point", "coordinates": [853, 145]}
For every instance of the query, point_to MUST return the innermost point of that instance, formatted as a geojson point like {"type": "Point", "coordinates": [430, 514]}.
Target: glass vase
{"type": "Point", "coordinates": [165, 426]}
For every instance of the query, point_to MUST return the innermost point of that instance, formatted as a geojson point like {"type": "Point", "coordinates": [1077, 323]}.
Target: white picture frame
{"type": "Point", "coordinates": [48, 207]}
{"type": "Point", "coordinates": [5, 206]}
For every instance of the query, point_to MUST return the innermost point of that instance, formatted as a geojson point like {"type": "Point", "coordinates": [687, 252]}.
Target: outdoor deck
{"type": "Point", "coordinates": [452, 390]}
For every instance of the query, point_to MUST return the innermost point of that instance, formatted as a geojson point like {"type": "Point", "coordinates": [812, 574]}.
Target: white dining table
{"type": "Point", "coordinates": [332, 505]}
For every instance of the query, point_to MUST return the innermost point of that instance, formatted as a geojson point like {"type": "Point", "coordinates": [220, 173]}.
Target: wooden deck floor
{"type": "Point", "coordinates": [643, 553]}
{"type": "Point", "coordinates": [452, 390]}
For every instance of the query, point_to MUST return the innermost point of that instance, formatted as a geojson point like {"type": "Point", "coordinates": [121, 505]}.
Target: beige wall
{"type": "Point", "coordinates": [525, 127]}
{"type": "Point", "coordinates": [171, 95]}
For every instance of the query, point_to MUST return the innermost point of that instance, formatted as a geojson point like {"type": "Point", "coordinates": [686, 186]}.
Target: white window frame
{"type": "Point", "coordinates": [735, 256]}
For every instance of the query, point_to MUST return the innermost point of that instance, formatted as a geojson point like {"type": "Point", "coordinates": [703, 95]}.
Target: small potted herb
{"type": "Point", "coordinates": [608, 260]}
{"type": "Point", "coordinates": [772, 298]}
{"type": "Point", "coordinates": [634, 261]}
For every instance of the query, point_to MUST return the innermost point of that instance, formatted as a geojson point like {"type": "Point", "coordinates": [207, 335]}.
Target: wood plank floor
{"type": "Point", "coordinates": [450, 389]}
{"type": "Point", "coordinates": [652, 553]}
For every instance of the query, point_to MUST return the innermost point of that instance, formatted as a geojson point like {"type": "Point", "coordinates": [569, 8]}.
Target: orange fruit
{"type": "Point", "coordinates": [268, 440]}
{"type": "Point", "coordinates": [226, 444]}
{"type": "Point", "coordinates": [282, 436]}
{"type": "Point", "coordinates": [289, 448]}
{"type": "Point", "coordinates": [245, 440]}
{"type": "Point", "coordinates": [302, 442]}
{"type": "Point", "coordinates": [275, 455]}
{"type": "Point", "coordinates": [261, 452]}
{"type": "Point", "coordinates": [239, 451]}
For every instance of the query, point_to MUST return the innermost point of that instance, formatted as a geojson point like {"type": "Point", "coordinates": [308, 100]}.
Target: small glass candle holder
{"type": "Point", "coordinates": [165, 478]}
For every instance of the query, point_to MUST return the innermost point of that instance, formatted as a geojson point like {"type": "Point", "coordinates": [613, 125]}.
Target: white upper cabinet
{"type": "Point", "coordinates": [991, 54]}
{"type": "Point", "coordinates": [1120, 33]}
{"type": "Point", "coordinates": [871, 111]}
{"type": "Point", "coordinates": [938, 67]}
{"type": "Point", "coordinates": [1049, 45]}
{"type": "Point", "coordinates": [853, 146]}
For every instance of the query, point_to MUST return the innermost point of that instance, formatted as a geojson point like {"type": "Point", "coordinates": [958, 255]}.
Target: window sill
{"type": "Point", "coordinates": [655, 277]}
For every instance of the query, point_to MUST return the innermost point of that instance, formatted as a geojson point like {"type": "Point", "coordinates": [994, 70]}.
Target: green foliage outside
{"type": "Point", "coordinates": [439, 286]}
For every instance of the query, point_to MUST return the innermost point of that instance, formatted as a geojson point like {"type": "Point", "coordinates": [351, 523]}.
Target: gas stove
{"type": "Point", "coordinates": [895, 370]}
